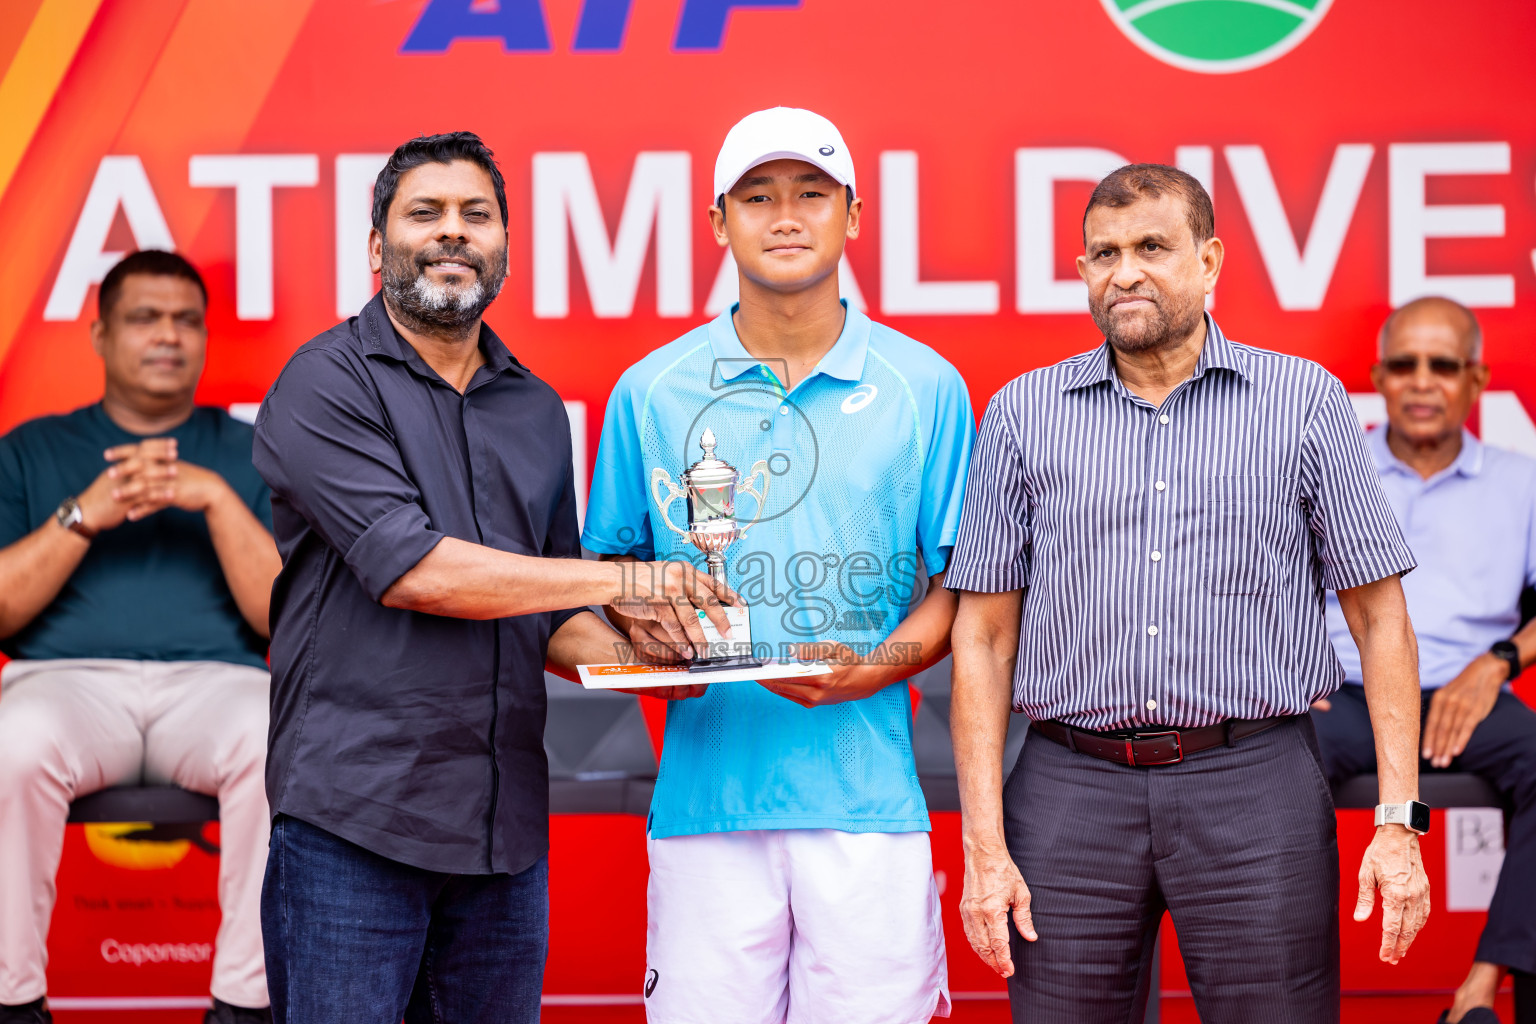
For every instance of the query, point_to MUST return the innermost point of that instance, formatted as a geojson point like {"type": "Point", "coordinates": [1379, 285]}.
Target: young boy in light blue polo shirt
{"type": "Point", "coordinates": [791, 876]}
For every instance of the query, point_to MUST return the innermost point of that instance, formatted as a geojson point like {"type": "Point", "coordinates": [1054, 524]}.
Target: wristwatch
{"type": "Point", "coordinates": [1505, 650]}
{"type": "Point", "coordinates": [1412, 815]}
{"type": "Point", "coordinates": [72, 518]}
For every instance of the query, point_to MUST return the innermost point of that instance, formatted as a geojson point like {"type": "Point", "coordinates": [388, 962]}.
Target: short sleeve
{"type": "Point", "coordinates": [991, 554]}
{"type": "Point", "coordinates": [322, 446]}
{"type": "Point", "coordinates": [236, 441]}
{"type": "Point", "coordinates": [1530, 542]}
{"type": "Point", "coordinates": [1357, 539]}
{"type": "Point", "coordinates": [618, 507]}
{"type": "Point", "coordinates": [14, 523]}
{"type": "Point", "coordinates": [945, 463]}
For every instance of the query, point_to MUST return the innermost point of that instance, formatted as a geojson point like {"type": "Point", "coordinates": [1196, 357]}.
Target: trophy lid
{"type": "Point", "coordinates": [710, 471]}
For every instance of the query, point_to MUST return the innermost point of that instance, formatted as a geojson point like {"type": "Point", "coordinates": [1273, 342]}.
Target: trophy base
{"type": "Point", "coordinates": [735, 652]}
{"type": "Point", "coordinates": [722, 664]}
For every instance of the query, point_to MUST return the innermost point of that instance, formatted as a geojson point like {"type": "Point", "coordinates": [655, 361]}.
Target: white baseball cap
{"type": "Point", "coordinates": [782, 133]}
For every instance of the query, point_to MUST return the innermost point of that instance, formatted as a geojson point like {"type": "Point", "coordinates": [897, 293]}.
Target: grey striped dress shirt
{"type": "Point", "coordinates": [1174, 559]}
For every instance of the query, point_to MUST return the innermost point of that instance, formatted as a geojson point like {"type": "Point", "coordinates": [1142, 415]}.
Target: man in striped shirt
{"type": "Point", "coordinates": [1147, 534]}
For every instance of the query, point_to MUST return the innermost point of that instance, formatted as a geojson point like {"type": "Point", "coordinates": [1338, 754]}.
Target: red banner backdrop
{"type": "Point", "coordinates": [1359, 154]}
{"type": "Point", "coordinates": [1390, 153]}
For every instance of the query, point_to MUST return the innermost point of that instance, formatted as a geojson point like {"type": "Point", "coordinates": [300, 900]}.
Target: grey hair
{"type": "Point", "coordinates": [1476, 333]}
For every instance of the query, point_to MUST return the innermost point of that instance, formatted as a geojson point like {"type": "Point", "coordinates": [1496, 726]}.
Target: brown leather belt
{"type": "Point", "coordinates": [1147, 748]}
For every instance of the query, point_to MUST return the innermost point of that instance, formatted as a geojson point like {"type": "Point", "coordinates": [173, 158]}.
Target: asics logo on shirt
{"type": "Point", "coordinates": [862, 396]}
{"type": "Point", "coordinates": [650, 982]}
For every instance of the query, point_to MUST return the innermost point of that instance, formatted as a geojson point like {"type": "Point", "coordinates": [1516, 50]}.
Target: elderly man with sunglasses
{"type": "Point", "coordinates": [1469, 513]}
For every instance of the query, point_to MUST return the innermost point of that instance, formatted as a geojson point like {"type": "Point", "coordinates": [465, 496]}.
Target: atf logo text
{"type": "Point", "coordinates": [522, 27]}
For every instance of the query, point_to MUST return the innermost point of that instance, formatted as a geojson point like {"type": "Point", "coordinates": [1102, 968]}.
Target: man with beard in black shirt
{"type": "Point", "coordinates": [424, 506]}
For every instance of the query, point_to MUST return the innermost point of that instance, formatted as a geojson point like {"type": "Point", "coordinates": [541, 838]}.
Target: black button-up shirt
{"type": "Point", "coordinates": [419, 737]}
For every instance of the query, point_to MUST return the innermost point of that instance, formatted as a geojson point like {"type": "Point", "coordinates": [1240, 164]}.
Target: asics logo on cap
{"type": "Point", "coordinates": [827, 150]}
{"type": "Point", "coordinates": [862, 396]}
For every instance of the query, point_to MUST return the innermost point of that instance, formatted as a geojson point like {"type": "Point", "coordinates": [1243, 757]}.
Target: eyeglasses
{"type": "Point", "coordinates": [1441, 366]}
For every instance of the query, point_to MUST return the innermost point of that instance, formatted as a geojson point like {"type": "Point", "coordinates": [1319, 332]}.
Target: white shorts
{"type": "Point", "coordinates": [804, 926]}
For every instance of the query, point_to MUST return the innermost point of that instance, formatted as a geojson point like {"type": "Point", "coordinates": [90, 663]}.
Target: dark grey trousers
{"type": "Point", "coordinates": [1236, 843]}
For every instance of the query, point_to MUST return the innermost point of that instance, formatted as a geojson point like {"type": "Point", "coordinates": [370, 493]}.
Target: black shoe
{"type": "Point", "coordinates": [224, 1013]}
{"type": "Point", "coordinates": [35, 1012]}
{"type": "Point", "coordinates": [1480, 1015]}
{"type": "Point", "coordinates": [1476, 1015]}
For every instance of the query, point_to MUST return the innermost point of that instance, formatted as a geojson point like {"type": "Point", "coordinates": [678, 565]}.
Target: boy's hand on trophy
{"type": "Point", "coordinates": [851, 677]}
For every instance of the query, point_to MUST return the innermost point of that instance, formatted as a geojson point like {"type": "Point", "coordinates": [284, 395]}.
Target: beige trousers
{"type": "Point", "coordinates": [69, 727]}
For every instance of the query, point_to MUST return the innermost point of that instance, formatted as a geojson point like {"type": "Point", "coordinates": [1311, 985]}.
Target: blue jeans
{"type": "Point", "coordinates": [355, 938]}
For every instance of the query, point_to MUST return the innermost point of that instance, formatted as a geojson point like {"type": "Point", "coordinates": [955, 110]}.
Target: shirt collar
{"type": "Point", "coordinates": [1468, 462]}
{"type": "Point", "coordinates": [381, 339]}
{"type": "Point", "coordinates": [845, 360]}
{"type": "Point", "coordinates": [1217, 353]}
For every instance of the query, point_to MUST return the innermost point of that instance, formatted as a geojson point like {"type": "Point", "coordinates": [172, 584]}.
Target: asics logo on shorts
{"type": "Point", "coordinates": [652, 977]}
{"type": "Point", "coordinates": [862, 396]}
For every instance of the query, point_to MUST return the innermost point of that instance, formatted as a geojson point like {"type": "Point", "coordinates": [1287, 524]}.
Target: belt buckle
{"type": "Point", "coordinates": [1130, 750]}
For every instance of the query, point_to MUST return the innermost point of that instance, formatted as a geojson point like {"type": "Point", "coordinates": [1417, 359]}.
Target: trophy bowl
{"type": "Point", "coordinates": [711, 486]}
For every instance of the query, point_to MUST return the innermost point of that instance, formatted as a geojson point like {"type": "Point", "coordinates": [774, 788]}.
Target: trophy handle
{"type": "Point", "coordinates": [759, 470]}
{"type": "Point", "coordinates": [660, 476]}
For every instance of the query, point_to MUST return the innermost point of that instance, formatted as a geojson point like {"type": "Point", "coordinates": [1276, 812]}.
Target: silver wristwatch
{"type": "Point", "coordinates": [72, 518]}
{"type": "Point", "coordinates": [1412, 815]}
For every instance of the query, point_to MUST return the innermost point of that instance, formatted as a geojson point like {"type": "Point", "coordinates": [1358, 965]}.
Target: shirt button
{"type": "Point", "coordinates": [1160, 485]}
{"type": "Point", "coordinates": [1163, 418]}
{"type": "Point", "coordinates": [1157, 556]}
{"type": "Point", "coordinates": [783, 410]}
{"type": "Point", "coordinates": [1151, 631]}
{"type": "Point", "coordinates": [1151, 705]}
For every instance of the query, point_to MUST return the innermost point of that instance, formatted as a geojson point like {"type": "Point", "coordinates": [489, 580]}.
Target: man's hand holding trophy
{"type": "Point", "coordinates": [710, 488]}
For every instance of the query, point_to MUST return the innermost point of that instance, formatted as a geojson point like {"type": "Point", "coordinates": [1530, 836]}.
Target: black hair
{"type": "Point", "coordinates": [154, 262]}
{"type": "Point", "coordinates": [1134, 182]}
{"type": "Point", "coordinates": [434, 149]}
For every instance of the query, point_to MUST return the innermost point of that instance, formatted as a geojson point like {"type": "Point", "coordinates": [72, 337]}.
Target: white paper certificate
{"type": "Point", "coordinates": [625, 677]}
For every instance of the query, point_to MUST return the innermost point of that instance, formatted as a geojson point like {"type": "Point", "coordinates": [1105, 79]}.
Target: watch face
{"type": "Point", "coordinates": [1418, 816]}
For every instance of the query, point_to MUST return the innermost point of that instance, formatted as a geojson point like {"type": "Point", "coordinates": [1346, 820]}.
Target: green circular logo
{"type": "Point", "coordinates": [1217, 36]}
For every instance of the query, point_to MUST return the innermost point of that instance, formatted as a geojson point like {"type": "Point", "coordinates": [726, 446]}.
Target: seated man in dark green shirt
{"type": "Point", "coordinates": [136, 563]}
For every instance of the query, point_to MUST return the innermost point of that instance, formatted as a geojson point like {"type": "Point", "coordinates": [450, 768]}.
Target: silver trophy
{"type": "Point", "coordinates": [711, 486]}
